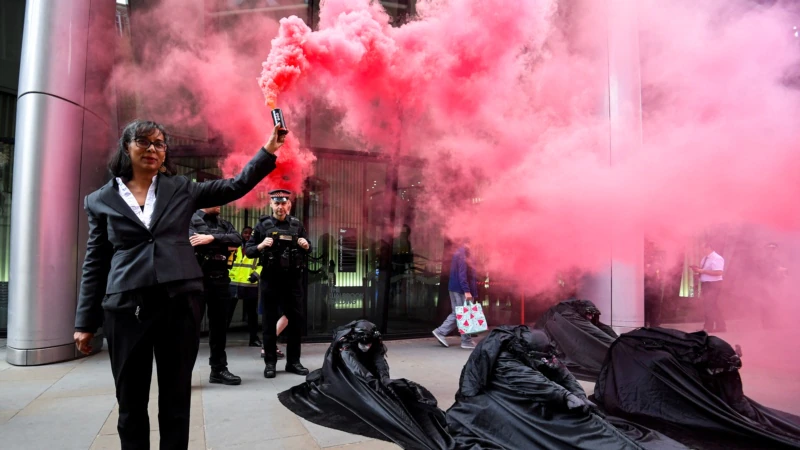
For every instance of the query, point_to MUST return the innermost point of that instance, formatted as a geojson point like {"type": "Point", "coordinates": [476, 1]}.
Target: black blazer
{"type": "Point", "coordinates": [122, 254]}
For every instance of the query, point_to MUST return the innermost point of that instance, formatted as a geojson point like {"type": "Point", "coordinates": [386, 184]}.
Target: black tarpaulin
{"type": "Point", "coordinates": [354, 393]}
{"type": "Point", "coordinates": [513, 398]}
{"type": "Point", "coordinates": [687, 385]}
{"type": "Point", "coordinates": [581, 339]}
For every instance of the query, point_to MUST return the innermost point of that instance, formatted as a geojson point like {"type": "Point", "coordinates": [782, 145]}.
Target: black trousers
{"type": "Point", "coordinates": [652, 303]}
{"type": "Point", "coordinates": [713, 315]}
{"type": "Point", "coordinates": [249, 297]}
{"type": "Point", "coordinates": [282, 290]}
{"type": "Point", "coordinates": [167, 328]}
{"type": "Point", "coordinates": [217, 299]}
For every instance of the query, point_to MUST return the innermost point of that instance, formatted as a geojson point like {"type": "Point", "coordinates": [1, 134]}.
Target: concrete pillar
{"type": "Point", "coordinates": [618, 289]}
{"type": "Point", "coordinates": [63, 136]}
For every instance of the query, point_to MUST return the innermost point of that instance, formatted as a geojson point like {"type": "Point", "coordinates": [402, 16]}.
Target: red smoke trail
{"type": "Point", "coordinates": [509, 96]}
{"type": "Point", "coordinates": [506, 101]}
{"type": "Point", "coordinates": [187, 69]}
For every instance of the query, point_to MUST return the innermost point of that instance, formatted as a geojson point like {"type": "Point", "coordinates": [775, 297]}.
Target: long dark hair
{"type": "Point", "coordinates": [120, 163]}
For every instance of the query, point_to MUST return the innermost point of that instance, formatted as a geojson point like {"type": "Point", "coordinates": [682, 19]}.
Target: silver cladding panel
{"type": "Point", "coordinates": [625, 128]}
{"type": "Point", "coordinates": [54, 48]}
{"type": "Point", "coordinates": [44, 222]}
{"type": "Point", "coordinates": [62, 142]}
{"type": "Point", "coordinates": [618, 288]}
{"type": "Point", "coordinates": [40, 356]}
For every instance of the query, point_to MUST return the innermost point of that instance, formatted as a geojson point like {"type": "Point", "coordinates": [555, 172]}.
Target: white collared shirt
{"type": "Point", "coordinates": [149, 202]}
{"type": "Point", "coordinates": [713, 261]}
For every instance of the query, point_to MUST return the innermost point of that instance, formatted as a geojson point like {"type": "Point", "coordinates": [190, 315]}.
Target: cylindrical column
{"type": "Point", "coordinates": [62, 140]}
{"type": "Point", "coordinates": [625, 133]}
{"type": "Point", "coordinates": [618, 287]}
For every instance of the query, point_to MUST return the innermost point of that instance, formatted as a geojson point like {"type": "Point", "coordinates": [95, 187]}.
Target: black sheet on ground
{"type": "Point", "coordinates": [687, 385]}
{"type": "Point", "coordinates": [581, 340]}
{"type": "Point", "coordinates": [354, 393]}
{"type": "Point", "coordinates": [513, 395]}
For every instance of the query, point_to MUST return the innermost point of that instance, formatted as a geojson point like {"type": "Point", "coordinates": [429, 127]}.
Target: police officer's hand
{"type": "Point", "coordinates": [303, 243]}
{"type": "Point", "coordinates": [83, 341]}
{"type": "Point", "coordinates": [276, 140]}
{"type": "Point", "coordinates": [267, 242]}
{"type": "Point", "coordinates": [200, 239]}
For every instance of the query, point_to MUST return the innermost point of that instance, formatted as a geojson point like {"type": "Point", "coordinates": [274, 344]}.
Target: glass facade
{"type": "Point", "coordinates": [374, 255]}
{"type": "Point", "coordinates": [11, 20]}
{"type": "Point", "coordinates": [8, 110]}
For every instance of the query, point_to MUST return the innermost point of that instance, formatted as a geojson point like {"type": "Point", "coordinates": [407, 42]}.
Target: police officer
{"type": "Point", "coordinates": [244, 285]}
{"type": "Point", "coordinates": [281, 243]}
{"type": "Point", "coordinates": [214, 240]}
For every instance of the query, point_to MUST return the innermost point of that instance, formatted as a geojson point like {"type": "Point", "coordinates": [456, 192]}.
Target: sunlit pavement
{"type": "Point", "coordinates": [72, 406]}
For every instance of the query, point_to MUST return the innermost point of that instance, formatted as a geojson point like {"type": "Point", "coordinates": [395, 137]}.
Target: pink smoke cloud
{"type": "Point", "coordinates": [505, 101]}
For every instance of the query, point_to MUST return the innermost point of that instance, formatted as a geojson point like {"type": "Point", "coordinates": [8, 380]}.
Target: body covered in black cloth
{"type": "Point", "coordinates": [514, 394]}
{"type": "Point", "coordinates": [581, 340]}
{"type": "Point", "coordinates": [353, 392]}
{"type": "Point", "coordinates": [513, 375]}
{"type": "Point", "coordinates": [688, 386]}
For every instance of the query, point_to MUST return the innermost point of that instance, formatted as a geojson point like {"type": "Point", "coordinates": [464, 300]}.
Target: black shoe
{"type": "Point", "coordinates": [269, 371]}
{"type": "Point", "coordinates": [296, 368]}
{"type": "Point", "coordinates": [224, 377]}
{"type": "Point", "coordinates": [279, 353]}
{"type": "Point", "coordinates": [255, 343]}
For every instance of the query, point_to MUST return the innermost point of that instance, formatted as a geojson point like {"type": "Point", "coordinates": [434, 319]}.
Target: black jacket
{"type": "Point", "coordinates": [225, 237]}
{"type": "Point", "coordinates": [261, 231]}
{"type": "Point", "coordinates": [123, 255]}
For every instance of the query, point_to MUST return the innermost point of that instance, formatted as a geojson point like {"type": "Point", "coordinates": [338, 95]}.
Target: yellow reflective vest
{"type": "Point", "coordinates": [242, 268]}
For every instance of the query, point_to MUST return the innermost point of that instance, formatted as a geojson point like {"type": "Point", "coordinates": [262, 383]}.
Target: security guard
{"type": "Point", "coordinates": [244, 274]}
{"type": "Point", "coordinates": [281, 243]}
{"type": "Point", "coordinates": [214, 240]}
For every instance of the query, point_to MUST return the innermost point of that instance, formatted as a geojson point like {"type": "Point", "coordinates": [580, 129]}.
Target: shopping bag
{"type": "Point", "coordinates": [470, 318]}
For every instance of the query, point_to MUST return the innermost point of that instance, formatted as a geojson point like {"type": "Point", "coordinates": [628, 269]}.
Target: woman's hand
{"type": "Point", "coordinates": [83, 341]}
{"type": "Point", "coordinates": [276, 139]}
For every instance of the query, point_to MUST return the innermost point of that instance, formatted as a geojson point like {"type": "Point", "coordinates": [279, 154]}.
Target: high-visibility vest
{"type": "Point", "coordinates": [242, 268]}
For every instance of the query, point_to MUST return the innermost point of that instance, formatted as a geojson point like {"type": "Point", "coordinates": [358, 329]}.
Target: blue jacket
{"type": "Point", "coordinates": [462, 277]}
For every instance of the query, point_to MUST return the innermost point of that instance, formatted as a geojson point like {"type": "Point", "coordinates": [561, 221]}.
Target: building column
{"type": "Point", "coordinates": [63, 136]}
{"type": "Point", "coordinates": [625, 133]}
{"type": "Point", "coordinates": [618, 288]}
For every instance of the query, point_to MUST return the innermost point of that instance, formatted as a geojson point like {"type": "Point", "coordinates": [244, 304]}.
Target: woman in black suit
{"type": "Point", "coordinates": [140, 277]}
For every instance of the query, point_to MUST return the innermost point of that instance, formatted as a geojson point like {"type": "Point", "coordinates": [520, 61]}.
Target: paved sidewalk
{"type": "Point", "coordinates": [72, 406]}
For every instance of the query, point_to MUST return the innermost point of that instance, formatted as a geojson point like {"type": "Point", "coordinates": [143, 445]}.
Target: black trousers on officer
{"type": "Point", "coordinates": [713, 315]}
{"type": "Point", "coordinates": [282, 290]}
{"type": "Point", "coordinates": [166, 327]}
{"type": "Point", "coordinates": [653, 297]}
{"type": "Point", "coordinates": [217, 299]}
{"type": "Point", "coordinates": [249, 296]}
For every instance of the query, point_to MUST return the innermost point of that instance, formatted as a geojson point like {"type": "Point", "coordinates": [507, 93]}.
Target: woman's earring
{"type": "Point", "coordinates": [162, 169]}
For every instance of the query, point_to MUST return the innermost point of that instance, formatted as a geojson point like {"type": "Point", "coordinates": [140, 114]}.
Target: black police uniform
{"type": "Point", "coordinates": [281, 282]}
{"type": "Point", "coordinates": [213, 259]}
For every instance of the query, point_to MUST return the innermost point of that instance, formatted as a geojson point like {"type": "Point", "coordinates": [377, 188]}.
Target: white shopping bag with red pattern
{"type": "Point", "coordinates": [470, 318]}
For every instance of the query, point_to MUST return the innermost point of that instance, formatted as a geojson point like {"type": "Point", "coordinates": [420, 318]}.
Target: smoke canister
{"type": "Point", "coordinates": [277, 119]}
